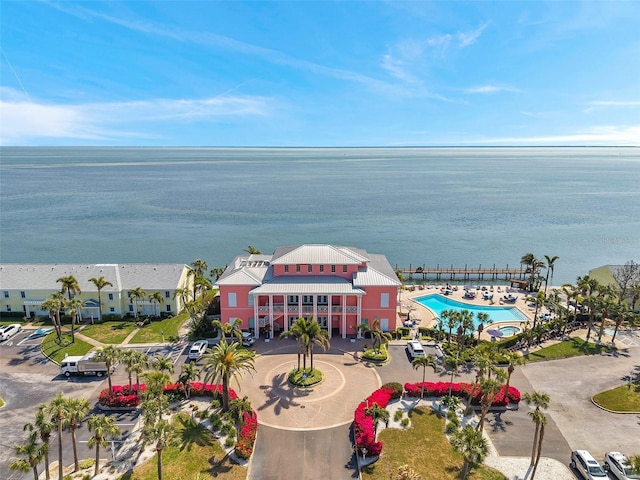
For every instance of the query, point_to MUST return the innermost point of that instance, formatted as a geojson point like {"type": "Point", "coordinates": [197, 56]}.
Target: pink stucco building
{"type": "Point", "coordinates": [340, 287]}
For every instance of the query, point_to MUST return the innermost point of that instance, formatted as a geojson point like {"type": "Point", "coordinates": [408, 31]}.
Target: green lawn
{"type": "Point", "coordinates": [113, 332]}
{"type": "Point", "coordinates": [57, 351]}
{"type": "Point", "coordinates": [425, 448]}
{"type": "Point", "coordinates": [620, 399]}
{"type": "Point", "coordinates": [569, 348]}
{"type": "Point", "coordinates": [1, 402]}
{"type": "Point", "coordinates": [198, 452]}
{"type": "Point", "coordinates": [152, 333]}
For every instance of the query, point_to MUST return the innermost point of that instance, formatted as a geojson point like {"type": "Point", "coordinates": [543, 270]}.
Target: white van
{"type": "Point", "coordinates": [9, 331]}
{"type": "Point", "coordinates": [586, 465]}
{"type": "Point", "coordinates": [197, 349]}
{"type": "Point", "coordinates": [414, 347]}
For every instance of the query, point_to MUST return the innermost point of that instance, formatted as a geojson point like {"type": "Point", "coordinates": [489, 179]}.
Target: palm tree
{"type": "Point", "coordinates": [140, 363]}
{"type": "Point", "coordinates": [550, 264]}
{"type": "Point", "coordinates": [377, 413]}
{"type": "Point", "coordinates": [100, 283]}
{"type": "Point", "coordinates": [129, 359]}
{"type": "Point", "coordinates": [453, 362]}
{"type": "Point", "coordinates": [70, 286]}
{"type": "Point", "coordinates": [189, 373]}
{"type": "Point", "coordinates": [136, 295]}
{"type": "Point", "coordinates": [163, 364]}
{"type": "Point", "coordinates": [216, 273]}
{"type": "Point", "coordinates": [540, 420]}
{"type": "Point", "coordinates": [482, 319]}
{"type": "Point", "coordinates": [589, 287]}
{"type": "Point", "coordinates": [226, 361]}
{"type": "Point", "coordinates": [53, 305]}
{"type": "Point", "coordinates": [156, 298]}
{"type": "Point", "coordinates": [44, 427]}
{"type": "Point", "coordinates": [155, 403]}
{"type": "Point", "coordinates": [162, 434]}
{"type": "Point", "coordinates": [252, 250]}
{"type": "Point", "coordinates": [77, 409]}
{"type": "Point", "coordinates": [183, 295]}
{"type": "Point", "coordinates": [541, 401]}
{"type": "Point", "coordinates": [58, 410]}
{"type": "Point", "coordinates": [608, 302]}
{"type": "Point", "coordinates": [451, 320]}
{"type": "Point", "coordinates": [237, 409]}
{"type": "Point", "coordinates": [490, 388]}
{"type": "Point", "coordinates": [512, 359]}
{"type": "Point", "coordinates": [424, 362]}
{"type": "Point", "coordinates": [33, 455]}
{"type": "Point", "coordinates": [110, 355]}
{"type": "Point", "coordinates": [73, 306]}
{"type": "Point", "coordinates": [472, 445]}
{"type": "Point", "coordinates": [103, 427]}
{"type": "Point", "coordinates": [621, 314]}
{"type": "Point", "coordinates": [316, 335]}
{"type": "Point", "coordinates": [230, 329]}
{"type": "Point", "coordinates": [297, 331]}
{"type": "Point", "coordinates": [199, 267]}
{"type": "Point", "coordinates": [378, 337]}
{"type": "Point", "coordinates": [539, 300]}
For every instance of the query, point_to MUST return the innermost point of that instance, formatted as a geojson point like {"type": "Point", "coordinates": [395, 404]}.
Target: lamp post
{"type": "Point", "coordinates": [162, 333]}
{"type": "Point", "coordinates": [364, 453]}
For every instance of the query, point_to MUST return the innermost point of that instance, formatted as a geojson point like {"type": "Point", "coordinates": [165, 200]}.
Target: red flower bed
{"type": "Point", "coordinates": [462, 390]}
{"type": "Point", "coordinates": [244, 447]}
{"type": "Point", "coordinates": [122, 396]}
{"type": "Point", "coordinates": [363, 424]}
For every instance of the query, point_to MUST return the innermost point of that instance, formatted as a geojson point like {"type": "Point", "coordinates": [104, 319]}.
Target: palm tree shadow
{"type": "Point", "coordinates": [497, 424]}
{"type": "Point", "coordinates": [280, 395]}
{"type": "Point", "coordinates": [193, 434]}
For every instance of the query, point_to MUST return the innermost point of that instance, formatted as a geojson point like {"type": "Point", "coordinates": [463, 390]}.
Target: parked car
{"type": "Point", "coordinates": [586, 465]}
{"type": "Point", "coordinates": [247, 339]}
{"type": "Point", "coordinates": [9, 331]}
{"type": "Point", "coordinates": [617, 464]}
{"type": "Point", "coordinates": [197, 349]}
{"type": "Point", "coordinates": [414, 347]}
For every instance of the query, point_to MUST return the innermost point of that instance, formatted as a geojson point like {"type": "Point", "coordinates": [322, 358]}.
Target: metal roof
{"type": "Point", "coordinates": [148, 276]}
{"type": "Point", "coordinates": [317, 255]}
{"type": "Point", "coordinates": [308, 284]}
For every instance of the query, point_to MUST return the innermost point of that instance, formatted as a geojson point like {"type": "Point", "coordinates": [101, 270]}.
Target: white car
{"type": "Point", "coordinates": [197, 349]}
{"type": "Point", "coordinates": [9, 331]}
{"type": "Point", "coordinates": [617, 464]}
{"type": "Point", "coordinates": [247, 339]}
{"type": "Point", "coordinates": [586, 465]}
{"type": "Point", "coordinates": [415, 349]}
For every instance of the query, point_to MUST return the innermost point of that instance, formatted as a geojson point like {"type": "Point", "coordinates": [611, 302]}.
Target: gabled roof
{"type": "Point", "coordinates": [317, 255]}
{"type": "Point", "coordinates": [246, 270]}
{"type": "Point", "coordinates": [148, 276]}
{"type": "Point", "coordinates": [308, 284]}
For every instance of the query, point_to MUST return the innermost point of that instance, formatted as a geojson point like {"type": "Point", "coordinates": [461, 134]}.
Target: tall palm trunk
{"type": "Point", "coordinates": [97, 466]}
{"type": "Point", "coordinates": [535, 444]}
{"type": "Point", "coordinates": [60, 471]}
{"type": "Point", "coordinates": [76, 464]}
{"type": "Point", "coordinates": [540, 438]}
{"type": "Point", "coordinates": [159, 464]}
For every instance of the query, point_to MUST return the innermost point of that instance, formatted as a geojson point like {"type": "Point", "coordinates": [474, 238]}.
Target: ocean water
{"type": "Point", "coordinates": [473, 206]}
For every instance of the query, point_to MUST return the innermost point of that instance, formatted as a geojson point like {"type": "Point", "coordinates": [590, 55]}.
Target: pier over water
{"type": "Point", "coordinates": [439, 272]}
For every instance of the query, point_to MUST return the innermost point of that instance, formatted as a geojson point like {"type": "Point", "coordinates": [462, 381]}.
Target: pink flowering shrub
{"type": "Point", "coordinates": [244, 447]}
{"type": "Point", "coordinates": [364, 431]}
{"type": "Point", "coordinates": [122, 396]}
{"type": "Point", "coordinates": [462, 390]}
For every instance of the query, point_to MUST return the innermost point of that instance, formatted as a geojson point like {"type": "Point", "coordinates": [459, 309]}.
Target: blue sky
{"type": "Point", "coordinates": [320, 73]}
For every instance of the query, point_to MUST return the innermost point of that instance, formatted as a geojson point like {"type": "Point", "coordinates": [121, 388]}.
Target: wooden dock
{"type": "Point", "coordinates": [439, 272]}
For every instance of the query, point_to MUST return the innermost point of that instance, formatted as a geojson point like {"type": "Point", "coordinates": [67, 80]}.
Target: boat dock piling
{"type": "Point", "coordinates": [466, 273]}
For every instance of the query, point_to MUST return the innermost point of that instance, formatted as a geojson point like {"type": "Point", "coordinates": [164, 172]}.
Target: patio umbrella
{"type": "Point", "coordinates": [495, 333]}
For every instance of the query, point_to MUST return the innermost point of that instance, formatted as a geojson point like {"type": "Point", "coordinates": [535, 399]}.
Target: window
{"type": "Point", "coordinates": [308, 299]}
{"type": "Point", "coordinates": [322, 299]}
{"type": "Point", "coordinates": [286, 269]}
{"type": "Point", "coordinates": [384, 300]}
{"type": "Point", "coordinates": [309, 268]}
{"type": "Point", "coordinates": [333, 269]}
{"type": "Point", "coordinates": [250, 300]}
{"type": "Point", "coordinates": [131, 308]}
{"type": "Point", "coordinates": [231, 298]}
{"type": "Point", "coordinates": [111, 296]}
{"type": "Point", "coordinates": [168, 308]}
{"type": "Point", "coordinates": [112, 309]}
{"type": "Point", "coordinates": [344, 269]}
{"type": "Point", "coordinates": [292, 299]}
{"type": "Point", "coordinates": [167, 294]}
{"type": "Point", "coordinates": [6, 294]}
{"type": "Point", "coordinates": [297, 268]}
{"type": "Point", "coordinates": [321, 268]}
{"type": "Point", "coordinates": [8, 308]}
{"type": "Point", "coordinates": [23, 294]}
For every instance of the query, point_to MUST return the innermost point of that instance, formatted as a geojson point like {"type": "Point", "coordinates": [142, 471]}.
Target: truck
{"type": "Point", "coordinates": [83, 365]}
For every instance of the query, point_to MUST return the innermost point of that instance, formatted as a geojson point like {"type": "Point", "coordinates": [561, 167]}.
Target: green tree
{"type": "Point", "coordinates": [550, 265]}
{"type": "Point", "coordinates": [297, 331]}
{"type": "Point", "coordinates": [156, 298]}
{"type": "Point", "coordinates": [539, 300]}
{"type": "Point", "coordinates": [490, 388]}
{"type": "Point", "coordinates": [100, 283]}
{"type": "Point", "coordinates": [453, 362]}
{"type": "Point", "coordinates": [316, 336]}
{"type": "Point", "coordinates": [69, 286]}
{"type": "Point", "coordinates": [237, 408]}
{"type": "Point", "coordinates": [53, 305]}
{"type": "Point", "coordinates": [190, 372]}
{"type": "Point", "coordinates": [44, 427]}
{"type": "Point", "coordinates": [539, 400]}
{"type": "Point", "coordinates": [424, 362]}
{"type": "Point", "coordinates": [110, 355]}
{"type": "Point", "coordinates": [252, 250]}
{"type": "Point", "coordinates": [378, 337]}
{"type": "Point", "coordinates": [161, 434]}
{"type": "Point", "coordinates": [103, 428]}
{"type": "Point", "coordinates": [226, 361]}
{"type": "Point", "coordinates": [451, 319]}
{"type": "Point", "coordinates": [73, 307]}
{"type": "Point", "coordinates": [482, 319]}
{"type": "Point", "coordinates": [230, 329]}
{"type": "Point", "coordinates": [472, 445]}
{"type": "Point", "coordinates": [136, 295]}
{"type": "Point", "coordinates": [377, 413]}
{"type": "Point", "coordinates": [216, 273]}
{"type": "Point", "coordinates": [32, 453]}
{"type": "Point", "coordinates": [77, 410]}
{"type": "Point", "coordinates": [589, 288]}
{"type": "Point", "coordinates": [512, 359]}
{"type": "Point", "coordinates": [58, 410]}
{"type": "Point", "coordinates": [163, 364]}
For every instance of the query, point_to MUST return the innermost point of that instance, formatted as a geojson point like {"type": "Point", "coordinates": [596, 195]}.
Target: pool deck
{"type": "Point", "coordinates": [426, 318]}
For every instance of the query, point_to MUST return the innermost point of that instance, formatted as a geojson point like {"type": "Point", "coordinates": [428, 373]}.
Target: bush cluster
{"type": "Point", "coordinates": [123, 396]}
{"type": "Point", "coordinates": [462, 390]}
{"type": "Point", "coordinates": [244, 447]}
{"type": "Point", "coordinates": [364, 431]}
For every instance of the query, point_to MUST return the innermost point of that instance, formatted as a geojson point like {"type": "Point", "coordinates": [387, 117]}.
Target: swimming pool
{"type": "Point", "coordinates": [509, 330]}
{"type": "Point", "coordinates": [437, 304]}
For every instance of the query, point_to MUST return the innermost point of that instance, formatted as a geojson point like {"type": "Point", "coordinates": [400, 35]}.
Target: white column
{"type": "Point", "coordinates": [271, 316]}
{"type": "Point", "coordinates": [344, 316]}
{"type": "Point", "coordinates": [285, 320]}
{"type": "Point", "coordinates": [256, 315]}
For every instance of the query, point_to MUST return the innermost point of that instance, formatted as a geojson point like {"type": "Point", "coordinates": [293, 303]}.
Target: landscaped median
{"type": "Point", "coordinates": [568, 348]}
{"type": "Point", "coordinates": [622, 399]}
{"type": "Point", "coordinates": [56, 351]}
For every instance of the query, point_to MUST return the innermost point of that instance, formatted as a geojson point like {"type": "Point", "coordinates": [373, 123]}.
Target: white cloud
{"type": "Point", "coordinates": [623, 103]}
{"type": "Point", "coordinates": [489, 89]}
{"type": "Point", "coordinates": [599, 135]}
{"type": "Point", "coordinates": [23, 120]}
{"type": "Point", "coordinates": [469, 38]}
